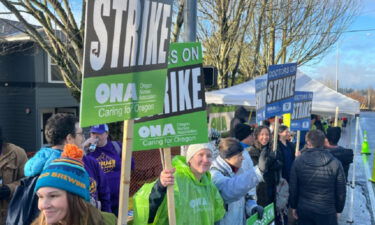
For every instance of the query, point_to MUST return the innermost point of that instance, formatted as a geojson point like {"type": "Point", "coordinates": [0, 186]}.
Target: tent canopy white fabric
{"type": "Point", "coordinates": [325, 100]}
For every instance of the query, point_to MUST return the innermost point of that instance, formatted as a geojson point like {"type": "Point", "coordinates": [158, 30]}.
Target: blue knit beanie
{"type": "Point", "coordinates": [67, 173]}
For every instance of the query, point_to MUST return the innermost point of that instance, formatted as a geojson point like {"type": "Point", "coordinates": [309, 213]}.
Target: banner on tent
{"type": "Point", "coordinates": [281, 84]}
{"type": "Point", "coordinates": [301, 116]}
{"type": "Point", "coordinates": [184, 120]}
{"type": "Point", "coordinates": [260, 99]}
{"type": "Point", "coordinates": [220, 117]}
{"type": "Point", "coordinates": [268, 217]}
{"type": "Point", "coordinates": [125, 60]}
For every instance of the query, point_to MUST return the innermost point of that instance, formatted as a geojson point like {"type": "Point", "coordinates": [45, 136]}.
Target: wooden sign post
{"type": "Point", "coordinates": [170, 190]}
{"type": "Point", "coordinates": [336, 116]}
{"type": "Point", "coordinates": [297, 153]}
{"type": "Point", "coordinates": [127, 144]}
{"type": "Point", "coordinates": [275, 133]}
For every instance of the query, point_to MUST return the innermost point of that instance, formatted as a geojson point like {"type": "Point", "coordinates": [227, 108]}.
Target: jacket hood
{"type": "Point", "coordinates": [222, 165]}
{"type": "Point", "coordinates": [179, 162]}
{"type": "Point", "coordinates": [316, 157]}
{"type": "Point", "coordinates": [40, 161]}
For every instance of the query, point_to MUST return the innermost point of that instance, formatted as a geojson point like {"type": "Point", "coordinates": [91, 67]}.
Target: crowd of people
{"type": "Point", "coordinates": [307, 185]}
{"type": "Point", "coordinates": [76, 180]}
{"type": "Point", "coordinates": [61, 188]}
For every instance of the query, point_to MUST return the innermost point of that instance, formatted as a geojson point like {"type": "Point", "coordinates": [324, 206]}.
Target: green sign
{"type": "Point", "coordinates": [220, 117]}
{"type": "Point", "coordinates": [268, 217]}
{"type": "Point", "coordinates": [125, 59]}
{"type": "Point", "coordinates": [184, 118]}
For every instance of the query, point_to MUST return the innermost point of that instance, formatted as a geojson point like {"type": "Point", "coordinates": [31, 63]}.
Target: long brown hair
{"type": "Point", "coordinates": [257, 131]}
{"type": "Point", "coordinates": [79, 213]}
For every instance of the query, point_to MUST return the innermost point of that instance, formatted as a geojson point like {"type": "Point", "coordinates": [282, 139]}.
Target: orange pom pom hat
{"type": "Point", "coordinates": [67, 173]}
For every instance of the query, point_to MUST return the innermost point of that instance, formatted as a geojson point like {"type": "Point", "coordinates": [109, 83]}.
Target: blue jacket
{"type": "Point", "coordinates": [233, 188]}
{"type": "Point", "coordinates": [40, 161]}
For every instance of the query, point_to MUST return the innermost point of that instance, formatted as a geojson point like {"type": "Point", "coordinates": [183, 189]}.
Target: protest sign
{"type": "Point", "coordinates": [125, 59]}
{"type": "Point", "coordinates": [287, 117]}
{"type": "Point", "coordinates": [260, 99]}
{"type": "Point", "coordinates": [220, 117]}
{"type": "Point", "coordinates": [268, 217]}
{"type": "Point", "coordinates": [281, 82]}
{"type": "Point", "coordinates": [184, 120]}
{"type": "Point", "coordinates": [301, 116]}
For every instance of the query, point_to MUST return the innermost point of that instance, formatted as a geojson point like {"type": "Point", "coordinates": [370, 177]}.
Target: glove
{"type": "Point", "coordinates": [4, 192]}
{"type": "Point", "coordinates": [266, 160]}
{"type": "Point", "coordinates": [262, 161]}
{"type": "Point", "coordinates": [258, 209]}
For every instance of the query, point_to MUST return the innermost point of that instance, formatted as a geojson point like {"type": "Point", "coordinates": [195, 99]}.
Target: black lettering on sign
{"type": "Point", "coordinates": [126, 36]}
{"type": "Point", "coordinates": [280, 89]}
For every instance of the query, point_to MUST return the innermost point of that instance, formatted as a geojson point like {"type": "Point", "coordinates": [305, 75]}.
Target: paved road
{"type": "Point", "coordinates": [359, 208]}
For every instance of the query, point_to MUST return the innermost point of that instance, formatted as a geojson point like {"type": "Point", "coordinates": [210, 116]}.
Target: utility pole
{"type": "Point", "coordinates": [337, 66]}
{"type": "Point", "coordinates": [190, 21]}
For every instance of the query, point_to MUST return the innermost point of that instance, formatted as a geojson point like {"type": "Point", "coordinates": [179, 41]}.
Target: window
{"type": "Point", "coordinates": [54, 75]}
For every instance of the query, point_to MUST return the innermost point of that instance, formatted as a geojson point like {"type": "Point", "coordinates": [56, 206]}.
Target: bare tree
{"type": "Point", "coordinates": [278, 31]}
{"type": "Point", "coordinates": [240, 37]}
{"type": "Point", "coordinates": [59, 34]}
{"type": "Point", "coordinates": [179, 19]}
{"type": "Point", "coordinates": [223, 25]}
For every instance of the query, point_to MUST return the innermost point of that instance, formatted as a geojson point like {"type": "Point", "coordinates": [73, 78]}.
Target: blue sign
{"type": "Point", "coordinates": [281, 85]}
{"type": "Point", "coordinates": [301, 111]}
{"type": "Point", "coordinates": [260, 99]}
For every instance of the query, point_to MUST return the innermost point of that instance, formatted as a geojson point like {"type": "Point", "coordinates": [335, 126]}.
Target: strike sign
{"type": "Point", "coordinates": [281, 84]}
{"type": "Point", "coordinates": [301, 111]}
{"type": "Point", "coordinates": [125, 59]}
{"type": "Point", "coordinates": [184, 120]}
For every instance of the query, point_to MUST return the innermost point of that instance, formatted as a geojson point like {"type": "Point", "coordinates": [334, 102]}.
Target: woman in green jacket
{"type": "Point", "coordinates": [197, 201]}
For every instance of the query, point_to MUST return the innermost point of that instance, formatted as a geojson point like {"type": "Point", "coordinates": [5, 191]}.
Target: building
{"type": "Point", "coordinates": [31, 88]}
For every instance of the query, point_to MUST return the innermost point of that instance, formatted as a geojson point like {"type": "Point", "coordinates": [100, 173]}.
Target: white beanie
{"type": "Point", "coordinates": [192, 149]}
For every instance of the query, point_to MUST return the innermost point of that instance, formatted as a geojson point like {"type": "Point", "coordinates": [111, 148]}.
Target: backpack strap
{"type": "Point", "coordinates": [117, 147]}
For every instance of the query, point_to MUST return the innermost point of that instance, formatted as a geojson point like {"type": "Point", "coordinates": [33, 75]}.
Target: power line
{"type": "Point", "coordinates": [354, 31]}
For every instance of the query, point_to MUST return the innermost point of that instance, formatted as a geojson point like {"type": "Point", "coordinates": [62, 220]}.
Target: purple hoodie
{"type": "Point", "coordinates": [99, 189]}
{"type": "Point", "coordinates": [110, 161]}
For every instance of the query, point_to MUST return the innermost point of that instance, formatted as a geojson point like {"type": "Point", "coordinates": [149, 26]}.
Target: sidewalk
{"type": "Point", "coordinates": [363, 198]}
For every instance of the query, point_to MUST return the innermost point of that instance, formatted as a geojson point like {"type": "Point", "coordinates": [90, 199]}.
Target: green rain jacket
{"type": "Point", "coordinates": [196, 202]}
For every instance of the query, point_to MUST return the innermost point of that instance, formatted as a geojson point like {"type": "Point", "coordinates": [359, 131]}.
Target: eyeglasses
{"type": "Point", "coordinates": [81, 133]}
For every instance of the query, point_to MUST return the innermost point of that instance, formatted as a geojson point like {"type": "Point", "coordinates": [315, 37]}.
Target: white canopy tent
{"type": "Point", "coordinates": [325, 100]}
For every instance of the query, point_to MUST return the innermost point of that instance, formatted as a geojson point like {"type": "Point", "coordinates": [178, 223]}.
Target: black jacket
{"type": "Point", "coordinates": [286, 164]}
{"type": "Point", "coordinates": [266, 190]}
{"type": "Point", "coordinates": [317, 183]}
{"type": "Point", "coordinates": [23, 208]}
{"type": "Point", "coordinates": [345, 156]}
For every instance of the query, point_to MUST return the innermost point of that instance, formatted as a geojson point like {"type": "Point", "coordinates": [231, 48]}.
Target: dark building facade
{"type": "Point", "coordinates": [31, 90]}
